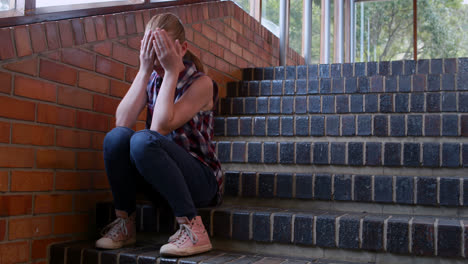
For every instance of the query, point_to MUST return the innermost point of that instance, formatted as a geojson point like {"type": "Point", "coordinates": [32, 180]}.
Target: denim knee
{"type": "Point", "coordinates": [116, 141]}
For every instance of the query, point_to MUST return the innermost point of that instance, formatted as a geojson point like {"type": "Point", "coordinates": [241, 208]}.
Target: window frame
{"type": "Point", "coordinates": [30, 14]}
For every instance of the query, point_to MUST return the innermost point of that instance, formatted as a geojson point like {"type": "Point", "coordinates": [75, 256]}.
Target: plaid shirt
{"type": "Point", "coordinates": [196, 135]}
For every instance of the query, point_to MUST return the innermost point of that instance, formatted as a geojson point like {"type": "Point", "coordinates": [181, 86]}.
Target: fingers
{"type": "Point", "coordinates": [145, 41]}
{"type": "Point", "coordinates": [149, 45]}
{"type": "Point", "coordinates": [178, 47]}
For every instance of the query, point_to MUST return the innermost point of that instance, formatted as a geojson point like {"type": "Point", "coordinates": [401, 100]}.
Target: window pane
{"type": "Point", "coordinates": [244, 4]}
{"type": "Point", "coordinates": [442, 27]}
{"type": "Point", "coordinates": [270, 15]}
{"type": "Point", "coordinates": [5, 5]}
{"type": "Point", "coordinates": [45, 3]}
{"type": "Point", "coordinates": [386, 28]}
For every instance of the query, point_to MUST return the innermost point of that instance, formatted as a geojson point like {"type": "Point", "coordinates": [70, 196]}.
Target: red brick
{"type": "Point", "coordinates": [90, 160]}
{"type": "Point", "coordinates": [57, 72]}
{"type": "Point", "coordinates": [230, 33]}
{"type": "Point", "coordinates": [100, 24]}
{"type": "Point", "coordinates": [118, 89]}
{"type": "Point", "coordinates": [216, 25]}
{"type": "Point", "coordinates": [209, 32]}
{"type": "Point", "coordinates": [236, 26]}
{"type": "Point", "coordinates": [189, 34]}
{"type": "Point", "coordinates": [140, 126]}
{"type": "Point", "coordinates": [89, 29]}
{"type": "Point", "coordinates": [134, 43]}
{"type": "Point", "coordinates": [123, 41]}
{"type": "Point", "coordinates": [3, 183]}
{"type": "Point", "coordinates": [78, 58]}
{"type": "Point", "coordinates": [53, 203]}
{"type": "Point", "coordinates": [130, 74]}
{"type": "Point", "coordinates": [201, 41]}
{"type": "Point", "coordinates": [52, 114]}
{"type": "Point", "coordinates": [93, 82]}
{"type": "Point", "coordinates": [40, 246]}
{"type": "Point", "coordinates": [15, 205]}
{"type": "Point", "coordinates": [55, 159]}
{"type": "Point", "coordinates": [236, 49]}
{"type": "Point", "coordinates": [73, 138]}
{"type": "Point", "coordinates": [54, 55]}
{"type": "Point", "coordinates": [97, 140]}
{"type": "Point", "coordinates": [29, 227]}
{"type": "Point", "coordinates": [216, 49]}
{"type": "Point", "coordinates": [208, 59]}
{"type": "Point", "coordinates": [14, 252]}
{"type": "Point", "coordinates": [29, 181]}
{"type": "Point", "coordinates": [72, 180]}
{"type": "Point", "coordinates": [66, 34]}
{"type": "Point", "coordinates": [247, 56]}
{"type": "Point", "coordinates": [92, 121]}
{"type": "Point", "coordinates": [104, 48]}
{"type": "Point", "coordinates": [52, 34]}
{"type": "Point", "coordinates": [222, 40]}
{"type": "Point", "coordinates": [105, 104]}
{"type": "Point", "coordinates": [110, 68]}
{"type": "Point", "coordinates": [2, 229]}
{"type": "Point", "coordinates": [241, 40]}
{"type": "Point", "coordinates": [140, 26]}
{"type": "Point", "coordinates": [78, 31]}
{"type": "Point", "coordinates": [26, 66]}
{"type": "Point", "coordinates": [242, 63]}
{"type": "Point", "coordinates": [130, 22]}
{"type": "Point", "coordinates": [229, 57]}
{"type": "Point", "coordinates": [75, 97]}
{"type": "Point", "coordinates": [146, 16]}
{"type": "Point", "coordinates": [38, 36]}
{"type": "Point", "coordinates": [32, 134]}
{"type": "Point", "coordinates": [125, 55]}
{"type": "Point", "coordinates": [85, 202]}
{"type": "Point", "coordinates": [68, 224]}
{"type": "Point", "coordinates": [5, 82]}
{"type": "Point", "coordinates": [222, 65]}
{"type": "Point", "coordinates": [6, 48]}
{"type": "Point", "coordinates": [16, 109]}
{"type": "Point", "coordinates": [120, 24]}
{"type": "Point", "coordinates": [4, 132]}
{"type": "Point", "coordinates": [35, 89]}
{"type": "Point", "coordinates": [100, 181]}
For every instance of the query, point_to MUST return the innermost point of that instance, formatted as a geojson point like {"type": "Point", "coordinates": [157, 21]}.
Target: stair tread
{"type": "Point", "coordinates": [147, 251]}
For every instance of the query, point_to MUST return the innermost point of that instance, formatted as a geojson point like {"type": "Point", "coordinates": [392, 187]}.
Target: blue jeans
{"type": "Point", "coordinates": [184, 181]}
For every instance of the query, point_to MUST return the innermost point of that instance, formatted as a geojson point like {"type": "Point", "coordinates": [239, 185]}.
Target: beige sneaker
{"type": "Point", "coordinates": [121, 232]}
{"type": "Point", "coordinates": [191, 239]}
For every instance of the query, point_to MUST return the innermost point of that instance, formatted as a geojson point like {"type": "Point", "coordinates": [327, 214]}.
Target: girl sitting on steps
{"type": "Point", "coordinates": [174, 154]}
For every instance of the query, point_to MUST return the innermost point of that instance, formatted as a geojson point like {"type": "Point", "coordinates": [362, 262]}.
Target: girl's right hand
{"type": "Point", "coordinates": [147, 53]}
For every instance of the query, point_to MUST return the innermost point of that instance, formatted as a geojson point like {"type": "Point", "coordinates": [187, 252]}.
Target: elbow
{"type": "Point", "coordinates": [161, 128]}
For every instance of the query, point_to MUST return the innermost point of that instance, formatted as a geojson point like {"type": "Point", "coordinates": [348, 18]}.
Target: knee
{"type": "Point", "coordinates": [142, 143]}
{"type": "Point", "coordinates": [117, 140]}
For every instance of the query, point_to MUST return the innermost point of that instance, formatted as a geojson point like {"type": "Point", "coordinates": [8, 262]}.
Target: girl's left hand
{"type": "Point", "coordinates": [169, 53]}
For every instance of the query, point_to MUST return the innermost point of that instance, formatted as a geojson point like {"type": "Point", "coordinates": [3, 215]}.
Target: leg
{"type": "Point", "coordinates": [122, 178]}
{"type": "Point", "coordinates": [120, 170]}
{"type": "Point", "coordinates": [180, 178]}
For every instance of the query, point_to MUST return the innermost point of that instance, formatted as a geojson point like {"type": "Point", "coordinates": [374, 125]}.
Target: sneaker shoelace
{"type": "Point", "coordinates": [185, 229]}
{"type": "Point", "coordinates": [115, 227]}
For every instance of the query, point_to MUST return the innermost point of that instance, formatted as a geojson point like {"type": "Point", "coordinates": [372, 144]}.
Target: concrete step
{"type": "Point", "coordinates": [344, 125]}
{"type": "Point", "coordinates": [384, 68]}
{"type": "Point", "coordinates": [350, 85]}
{"type": "Point", "coordinates": [293, 189]}
{"type": "Point", "coordinates": [441, 237]}
{"type": "Point", "coordinates": [445, 102]}
{"type": "Point", "coordinates": [147, 252]}
{"type": "Point", "coordinates": [396, 154]}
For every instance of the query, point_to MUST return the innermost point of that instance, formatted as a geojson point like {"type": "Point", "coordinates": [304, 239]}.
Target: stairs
{"type": "Point", "coordinates": [363, 162]}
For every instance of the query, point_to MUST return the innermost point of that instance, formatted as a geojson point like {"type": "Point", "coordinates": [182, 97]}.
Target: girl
{"type": "Point", "coordinates": [174, 153]}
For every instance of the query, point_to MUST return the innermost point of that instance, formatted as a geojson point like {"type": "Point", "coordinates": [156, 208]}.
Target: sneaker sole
{"type": "Point", "coordinates": [117, 246]}
{"type": "Point", "coordinates": [189, 251]}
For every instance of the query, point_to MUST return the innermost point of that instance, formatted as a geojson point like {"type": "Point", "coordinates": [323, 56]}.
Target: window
{"type": "Point", "coordinates": [46, 3]}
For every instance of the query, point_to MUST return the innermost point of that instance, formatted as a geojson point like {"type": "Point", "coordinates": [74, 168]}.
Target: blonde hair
{"type": "Point", "coordinates": [174, 27]}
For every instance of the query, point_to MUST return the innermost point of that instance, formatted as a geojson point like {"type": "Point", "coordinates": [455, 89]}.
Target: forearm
{"type": "Point", "coordinates": [133, 102]}
{"type": "Point", "coordinates": [163, 113]}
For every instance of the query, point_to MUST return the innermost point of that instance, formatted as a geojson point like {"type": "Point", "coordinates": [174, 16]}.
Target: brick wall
{"type": "Point", "coordinates": [60, 83]}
